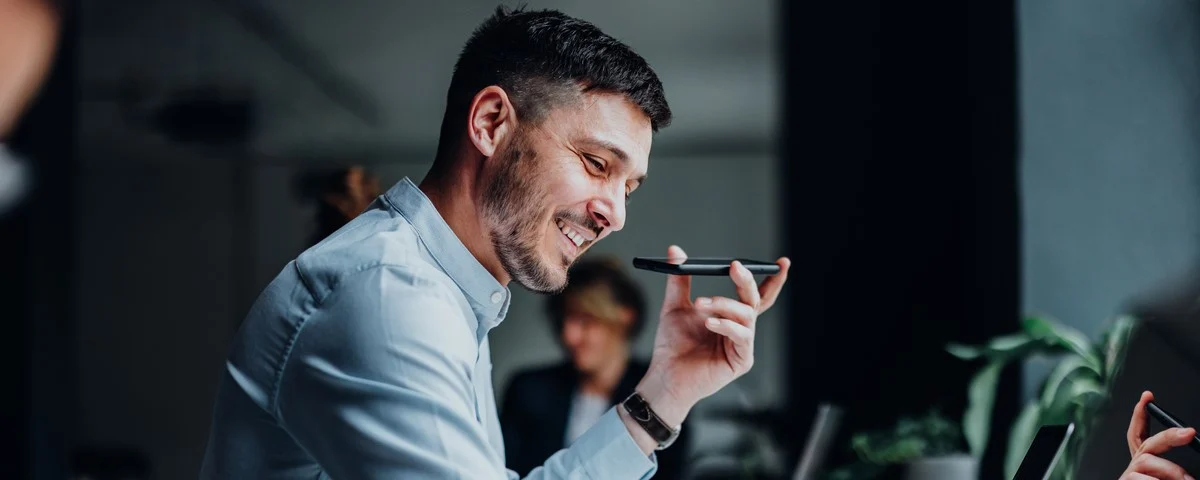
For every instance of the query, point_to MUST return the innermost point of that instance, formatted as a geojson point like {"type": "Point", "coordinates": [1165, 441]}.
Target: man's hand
{"type": "Point", "coordinates": [1146, 463]}
{"type": "Point", "coordinates": [703, 344]}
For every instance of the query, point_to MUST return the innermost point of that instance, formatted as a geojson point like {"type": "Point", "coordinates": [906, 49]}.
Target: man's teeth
{"type": "Point", "coordinates": [571, 233]}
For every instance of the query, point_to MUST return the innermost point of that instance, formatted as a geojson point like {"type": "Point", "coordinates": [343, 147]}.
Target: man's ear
{"type": "Point", "coordinates": [490, 120]}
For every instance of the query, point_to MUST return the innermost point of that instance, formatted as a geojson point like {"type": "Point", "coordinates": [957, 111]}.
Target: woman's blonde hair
{"type": "Point", "coordinates": [600, 287]}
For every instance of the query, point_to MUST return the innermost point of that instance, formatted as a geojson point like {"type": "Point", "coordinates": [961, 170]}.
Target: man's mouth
{"type": "Point", "coordinates": [571, 233]}
{"type": "Point", "coordinates": [576, 235]}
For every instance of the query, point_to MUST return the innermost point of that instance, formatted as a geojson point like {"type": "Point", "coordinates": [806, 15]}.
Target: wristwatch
{"type": "Point", "coordinates": [640, 410]}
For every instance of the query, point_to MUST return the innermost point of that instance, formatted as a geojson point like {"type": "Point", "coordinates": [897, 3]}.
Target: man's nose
{"type": "Point", "coordinates": [609, 212]}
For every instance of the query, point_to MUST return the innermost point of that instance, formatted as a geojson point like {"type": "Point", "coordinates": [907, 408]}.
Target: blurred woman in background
{"type": "Point", "coordinates": [597, 317]}
{"type": "Point", "coordinates": [341, 195]}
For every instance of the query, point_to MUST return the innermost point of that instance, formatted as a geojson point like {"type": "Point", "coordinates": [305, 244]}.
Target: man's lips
{"type": "Point", "coordinates": [577, 235]}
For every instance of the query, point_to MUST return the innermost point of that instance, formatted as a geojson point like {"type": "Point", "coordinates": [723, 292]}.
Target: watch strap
{"type": "Point", "coordinates": [640, 411]}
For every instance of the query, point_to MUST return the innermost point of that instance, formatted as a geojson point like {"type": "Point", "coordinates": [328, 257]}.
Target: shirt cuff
{"type": "Point", "coordinates": [609, 451]}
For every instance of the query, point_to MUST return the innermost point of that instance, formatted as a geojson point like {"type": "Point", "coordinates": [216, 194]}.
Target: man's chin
{"type": "Point", "coordinates": [555, 271]}
{"type": "Point", "coordinates": [553, 279]}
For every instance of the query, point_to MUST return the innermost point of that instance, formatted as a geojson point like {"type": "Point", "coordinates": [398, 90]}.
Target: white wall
{"type": "Point", "coordinates": [1110, 161]}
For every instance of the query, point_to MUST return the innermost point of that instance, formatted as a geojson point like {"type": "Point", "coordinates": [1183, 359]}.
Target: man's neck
{"type": "Point", "coordinates": [604, 380]}
{"type": "Point", "coordinates": [453, 195]}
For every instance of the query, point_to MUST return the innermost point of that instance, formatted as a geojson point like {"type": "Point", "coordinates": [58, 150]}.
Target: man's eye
{"type": "Point", "coordinates": [596, 163]}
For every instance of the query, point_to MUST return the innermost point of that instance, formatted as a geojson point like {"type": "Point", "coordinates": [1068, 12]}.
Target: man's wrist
{"type": "Point", "coordinates": [669, 406]}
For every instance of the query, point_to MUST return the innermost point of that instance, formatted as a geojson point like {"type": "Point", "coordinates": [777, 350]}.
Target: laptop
{"type": "Point", "coordinates": [820, 440]}
{"type": "Point", "coordinates": [1044, 452]}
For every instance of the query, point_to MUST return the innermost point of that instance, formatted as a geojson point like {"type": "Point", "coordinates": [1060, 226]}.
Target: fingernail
{"type": "Point", "coordinates": [1188, 477]}
{"type": "Point", "coordinates": [713, 323]}
{"type": "Point", "coordinates": [703, 301]}
{"type": "Point", "coordinates": [1184, 433]}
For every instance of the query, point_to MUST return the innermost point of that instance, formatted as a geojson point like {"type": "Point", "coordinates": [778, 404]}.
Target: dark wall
{"type": "Point", "coordinates": [900, 203]}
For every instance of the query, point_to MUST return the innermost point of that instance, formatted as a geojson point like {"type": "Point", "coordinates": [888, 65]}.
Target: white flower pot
{"type": "Point", "coordinates": [949, 467]}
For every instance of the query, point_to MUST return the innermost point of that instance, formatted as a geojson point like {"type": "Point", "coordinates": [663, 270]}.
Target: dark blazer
{"type": "Point", "coordinates": [536, 406]}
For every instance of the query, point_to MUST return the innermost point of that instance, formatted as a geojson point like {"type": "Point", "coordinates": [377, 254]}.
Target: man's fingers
{"type": "Point", "coordinates": [727, 308]}
{"type": "Point", "coordinates": [769, 290]}
{"type": "Point", "coordinates": [744, 280]}
{"type": "Point", "coordinates": [1156, 467]}
{"type": "Point", "coordinates": [741, 336]}
{"type": "Point", "coordinates": [1137, 425]}
{"type": "Point", "coordinates": [679, 287]}
{"type": "Point", "coordinates": [1167, 439]}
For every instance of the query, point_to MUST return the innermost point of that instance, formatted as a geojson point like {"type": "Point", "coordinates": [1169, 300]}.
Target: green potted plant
{"type": "Point", "coordinates": [927, 446]}
{"type": "Point", "coordinates": [1072, 392]}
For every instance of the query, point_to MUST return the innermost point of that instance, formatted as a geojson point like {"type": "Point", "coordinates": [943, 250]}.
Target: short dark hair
{"type": "Point", "coordinates": [606, 272]}
{"type": "Point", "coordinates": [543, 58]}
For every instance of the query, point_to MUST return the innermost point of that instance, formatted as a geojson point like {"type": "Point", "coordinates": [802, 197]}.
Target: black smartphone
{"type": "Point", "coordinates": [702, 266]}
{"type": "Point", "coordinates": [1170, 421]}
{"type": "Point", "coordinates": [1044, 452]}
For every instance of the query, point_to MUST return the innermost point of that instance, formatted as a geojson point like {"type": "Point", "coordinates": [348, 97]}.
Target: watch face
{"type": "Point", "coordinates": [641, 411]}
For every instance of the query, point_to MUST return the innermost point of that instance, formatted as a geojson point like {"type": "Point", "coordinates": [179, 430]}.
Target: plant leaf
{"type": "Point", "coordinates": [1087, 404]}
{"type": "Point", "coordinates": [1115, 340]}
{"type": "Point", "coordinates": [1021, 437]}
{"type": "Point", "coordinates": [981, 396]}
{"type": "Point", "coordinates": [1074, 401]}
{"type": "Point", "coordinates": [1059, 378]}
{"type": "Point", "coordinates": [1086, 395]}
{"type": "Point", "coordinates": [1082, 387]}
{"type": "Point", "coordinates": [965, 352]}
{"type": "Point", "coordinates": [1002, 347]}
{"type": "Point", "coordinates": [1055, 333]}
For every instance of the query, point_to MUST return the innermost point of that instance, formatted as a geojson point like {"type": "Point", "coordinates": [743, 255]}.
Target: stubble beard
{"type": "Point", "coordinates": [513, 207]}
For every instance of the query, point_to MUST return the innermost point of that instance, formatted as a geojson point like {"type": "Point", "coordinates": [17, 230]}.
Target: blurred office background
{"type": "Point", "coordinates": [934, 170]}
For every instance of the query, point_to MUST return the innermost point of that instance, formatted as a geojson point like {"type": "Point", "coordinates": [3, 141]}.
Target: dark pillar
{"type": "Point", "coordinates": [899, 159]}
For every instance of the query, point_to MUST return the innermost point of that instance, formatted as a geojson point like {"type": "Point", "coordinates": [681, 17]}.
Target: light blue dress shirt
{"type": "Point", "coordinates": [367, 358]}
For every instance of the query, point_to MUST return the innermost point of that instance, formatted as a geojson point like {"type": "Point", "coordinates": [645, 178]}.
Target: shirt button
{"type": "Point", "coordinates": [497, 297]}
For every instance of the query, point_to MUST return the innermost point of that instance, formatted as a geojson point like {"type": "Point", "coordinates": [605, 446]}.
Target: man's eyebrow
{"type": "Point", "coordinates": [611, 147]}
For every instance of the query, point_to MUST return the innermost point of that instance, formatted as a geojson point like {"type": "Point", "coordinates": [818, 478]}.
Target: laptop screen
{"type": "Point", "coordinates": [1044, 452]}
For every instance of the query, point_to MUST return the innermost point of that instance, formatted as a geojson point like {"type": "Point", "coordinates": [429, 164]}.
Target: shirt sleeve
{"type": "Point", "coordinates": [378, 385]}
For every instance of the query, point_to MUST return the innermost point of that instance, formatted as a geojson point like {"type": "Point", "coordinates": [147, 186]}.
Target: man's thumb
{"type": "Point", "coordinates": [679, 287]}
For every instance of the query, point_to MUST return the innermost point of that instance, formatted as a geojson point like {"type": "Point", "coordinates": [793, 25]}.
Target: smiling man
{"type": "Point", "coordinates": [368, 356]}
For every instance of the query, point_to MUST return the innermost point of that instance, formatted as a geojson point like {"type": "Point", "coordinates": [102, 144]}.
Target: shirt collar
{"type": "Point", "coordinates": [489, 299]}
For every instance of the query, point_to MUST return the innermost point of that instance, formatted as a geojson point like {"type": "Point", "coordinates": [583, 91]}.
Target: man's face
{"type": "Point", "coordinates": [559, 187]}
